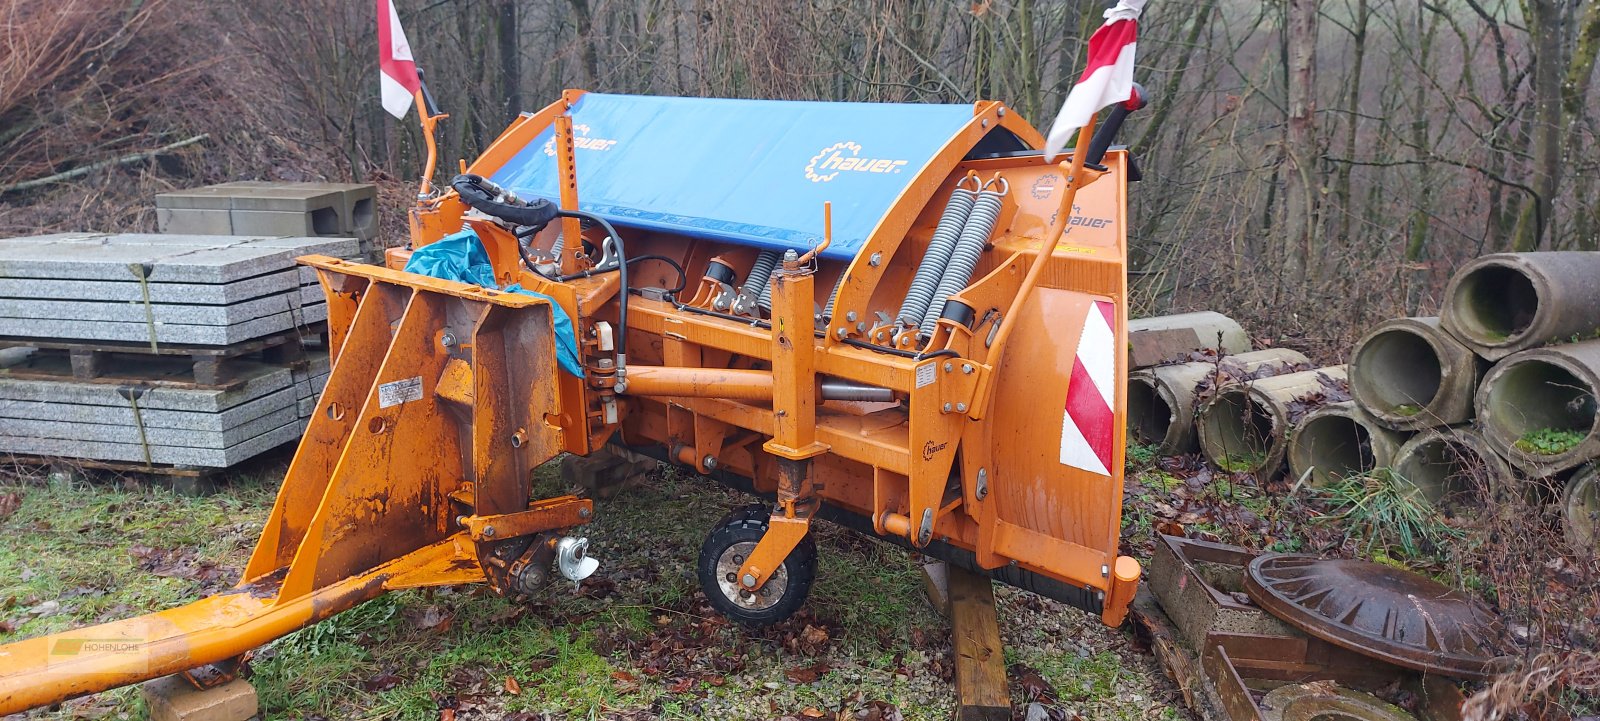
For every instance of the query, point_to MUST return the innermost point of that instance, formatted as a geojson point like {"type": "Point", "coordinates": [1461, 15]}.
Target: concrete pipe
{"type": "Point", "coordinates": [1580, 508]}
{"type": "Point", "coordinates": [1168, 337]}
{"type": "Point", "coordinates": [1245, 428]}
{"type": "Point", "coordinates": [1500, 304]}
{"type": "Point", "coordinates": [1446, 462]}
{"type": "Point", "coordinates": [1538, 410]}
{"type": "Point", "coordinates": [1409, 374]}
{"type": "Point", "coordinates": [1161, 400]}
{"type": "Point", "coordinates": [1339, 441]}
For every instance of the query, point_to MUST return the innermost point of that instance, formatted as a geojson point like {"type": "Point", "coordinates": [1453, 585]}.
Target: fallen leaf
{"type": "Point", "coordinates": [512, 687]}
{"type": "Point", "coordinates": [624, 676]}
{"type": "Point", "coordinates": [808, 674]}
{"type": "Point", "coordinates": [812, 712]}
{"type": "Point", "coordinates": [9, 503]}
{"type": "Point", "coordinates": [382, 682]}
{"type": "Point", "coordinates": [682, 685]}
{"type": "Point", "coordinates": [447, 714]}
{"type": "Point", "coordinates": [432, 618]}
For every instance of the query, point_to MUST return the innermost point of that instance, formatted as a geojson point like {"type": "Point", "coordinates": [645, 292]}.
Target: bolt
{"type": "Point", "coordinates": [447, 340]}
{"type": "Point", "coordinates": [947, 408]}
{"type": "Point", "coordinates": [748, 579]}
{"type": "Point", "coordinates": [961, 407]}
{"type": "Point", "coordinates": [518, 438]}
{"type": "Point", "coordinates": [584, 512]}
{"type": "Point", "coordinates": [905, 340]}
{"type": "Point", "coordinates": [967, 368]}
{"type": "Point", "coordinates": [488, 531]}
{"type": "Point", "coordinates": [982, 490]}
{"type": "Point", "coordinates": [861, 327]}
{"type": "Point", "coordinates": [710, 462]}
{"type": "Point", "coordinates": [461, 521]}
{"type": "Point", "coordinates": [842, 332]}
{"type": "Point", "coordinates": [789, 256]}
{"type": "Point", "coordinates": [721, 304]}
{"type": "Point", "coordinates": [606, 363]}
{"type": "Point", "coordinates": [875, 259]}
{"type": "Point", "coordinates": [949, 367]}
{"type": "Point", "coordinates": [1001, 112]}
{"type": "Point", "coordinates": [851, 316]}
{"type": "Point", "coordinates": [984, 123]}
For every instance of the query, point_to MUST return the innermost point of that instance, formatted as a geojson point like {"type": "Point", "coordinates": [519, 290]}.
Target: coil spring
{"type": "Point", "coordinates": [558, 246]}
{"type": "Point", "coordinates": [759, 278]}
{"type": "Point", "coordinates": [964, 258]}
{"type": "Point", "coordinates": [945, 235]}
{"type": "Point", "coordinates": [833, 295]}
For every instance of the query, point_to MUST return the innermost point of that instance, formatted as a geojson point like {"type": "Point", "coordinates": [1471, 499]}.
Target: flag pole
{"type": "Point", "coordinates": [430, 117]}
{"type": "Point", "coordinates": [1078, 175]}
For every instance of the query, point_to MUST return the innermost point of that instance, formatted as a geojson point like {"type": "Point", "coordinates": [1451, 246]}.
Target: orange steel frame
{"type": "Point", "coordinates": [443, 397]}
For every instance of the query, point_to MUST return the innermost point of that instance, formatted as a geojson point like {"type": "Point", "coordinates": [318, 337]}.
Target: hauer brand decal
{"type": "Point", "coordinates": [931, 449]}
{"type": "Point", "coordinates": [580, 141]}
{"type": "Point", "coordinates": [846, 157]}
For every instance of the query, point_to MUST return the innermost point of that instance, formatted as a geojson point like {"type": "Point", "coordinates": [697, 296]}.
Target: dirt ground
{"type": "Point", "coordinates": [636, 641]}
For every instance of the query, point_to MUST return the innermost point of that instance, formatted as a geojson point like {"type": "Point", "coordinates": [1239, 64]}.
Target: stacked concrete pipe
{"type": "Point", "coordinates": [1161, 339]}
{"type": "Point", "coordinates": [1551, 388]}
{"type": "Point", "coordinates": [1580, 507]}
{"type": "Point", "coordinates": [1245, 428]}
{"type": "Point", "coordinates": [1340, 441]}
{"type": "Point", "coordinates": [1161, 400]}
{"type": "Point", "coordinates": [1508, 302]}
{"type": "Point", "coordinates": [1410, 374]}
{"type": "Point", "coordinates": [1442, 462]}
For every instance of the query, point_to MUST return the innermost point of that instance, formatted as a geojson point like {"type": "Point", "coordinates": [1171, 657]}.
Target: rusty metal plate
{"type": "Point", "coordinates": [1379, 611]}
{"type": "Point", "coordinates": [1324, 701]}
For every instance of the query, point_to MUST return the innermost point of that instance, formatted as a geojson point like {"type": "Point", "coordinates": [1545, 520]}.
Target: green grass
{"type": "Point", "coordinates": [1242, 463]}
{"type": "Point", "coordinates": [87, 546]}
{"type": "Point", "coordinates": [1389, 513]}
{"type": "Point", "coordinates": [1407, 409]}
{"type": "Point", "coordinates": [1549, 441]}
{"type": "Point", "coordinates": [1141, 455]}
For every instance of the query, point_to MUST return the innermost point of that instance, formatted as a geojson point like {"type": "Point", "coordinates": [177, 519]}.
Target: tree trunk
{"type": "Point", "coordinates": [510, 58]}
{"type": "Point", "coordinates": [1535, 219]}
{"type": "Point", "coordinates": [585, 23]}
{"type": "Point", "coordinates": [1300, 143]}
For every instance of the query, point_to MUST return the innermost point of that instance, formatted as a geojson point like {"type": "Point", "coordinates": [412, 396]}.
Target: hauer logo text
{"type": "Point", "coordinates": [847, 158]}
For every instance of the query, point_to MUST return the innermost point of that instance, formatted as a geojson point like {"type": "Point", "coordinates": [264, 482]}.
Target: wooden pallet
{"type": "Point", "coordinates": [182, 366]}
{"type": "Point", "coordinates": [186, 480]}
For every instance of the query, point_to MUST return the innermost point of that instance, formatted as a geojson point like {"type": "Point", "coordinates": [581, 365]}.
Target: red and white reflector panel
{"type": "Point", "coordinates": [1088, 427]}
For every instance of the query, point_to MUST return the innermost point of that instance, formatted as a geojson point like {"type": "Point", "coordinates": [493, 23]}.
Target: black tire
{"type": "Point", "coordinates": [779, 598]}
{"type": "Point", "coordinates": [747, 512]}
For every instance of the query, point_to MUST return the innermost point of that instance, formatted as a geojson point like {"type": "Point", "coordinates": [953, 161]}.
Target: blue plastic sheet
{"type": "Point", "coordinates": [753, 172]}
{"type": "Point", "coordinates": [461, 257]}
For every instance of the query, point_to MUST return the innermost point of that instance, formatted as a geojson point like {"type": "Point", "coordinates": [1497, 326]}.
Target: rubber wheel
{"type": "Point", "coordinates": [724, 552]}
{"type": "Point", "coordinates": [749, 512]}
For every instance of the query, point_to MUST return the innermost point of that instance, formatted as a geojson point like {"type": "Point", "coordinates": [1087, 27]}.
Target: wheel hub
{"type": "Point", "coordinates": [728, 564]}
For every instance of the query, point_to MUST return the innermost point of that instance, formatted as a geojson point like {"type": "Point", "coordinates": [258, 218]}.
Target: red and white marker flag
{"type": "Point", "coordinates": [397, 72]}
{"type": "Point", "coordinates": [1106, 80]}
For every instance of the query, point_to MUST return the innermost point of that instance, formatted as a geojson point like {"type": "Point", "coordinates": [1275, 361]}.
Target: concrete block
{"type": "Point", "coordinates": [200, 421]}
{"type": "Point", "coordinates": [171, 333]}
{"type": "Point", "coordinates": [164, 258]}
{"type": "Point", "coordinates": [130, 432]}
{"type": "Point", "coordinates": [135, 453]}
{"type": "Point", "coordinates": [280, 281]}
{"type": "Point", "coordinates": [172, 698]}
{"type": "Point", "coordinates": [324, 221]}
{"type": "Point", "coordinates": [286, 197]}
{"type": "Point", "coordinates": [136, 312]}
{"type": "Point", "coordinates": [256, 381]}
{"type": "Point", "coordinates": [208, 198]}
{"type": "Point", "coordinates": [183, 220]}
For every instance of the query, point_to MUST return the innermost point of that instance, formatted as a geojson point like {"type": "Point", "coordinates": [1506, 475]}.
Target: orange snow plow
{"type": "Point", "coordinates": [899, 318]}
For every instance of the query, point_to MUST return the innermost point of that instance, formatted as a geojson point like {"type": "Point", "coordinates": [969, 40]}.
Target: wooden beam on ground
{"type": "Point", "coordinates": [982, 693]}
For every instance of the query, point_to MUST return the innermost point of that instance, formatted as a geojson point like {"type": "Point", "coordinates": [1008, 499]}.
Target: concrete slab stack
{"type": "Point", "coordinates": [159, 351]}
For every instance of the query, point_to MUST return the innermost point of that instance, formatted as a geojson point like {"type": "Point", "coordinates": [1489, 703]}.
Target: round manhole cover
{"type": "Point", "coordinates": [1378, 611]}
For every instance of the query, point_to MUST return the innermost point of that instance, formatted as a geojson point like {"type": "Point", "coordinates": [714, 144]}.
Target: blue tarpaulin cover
{"type": "Point", "coordinates": [461, 258]}
{"type": "Point", "coordinates": [753, 172]}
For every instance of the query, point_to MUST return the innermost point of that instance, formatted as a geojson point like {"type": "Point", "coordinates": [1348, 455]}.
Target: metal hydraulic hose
{"type": "Point", "coordinates": [964, 258]}
{"type": "Point", "coordinates": [945, 235]}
